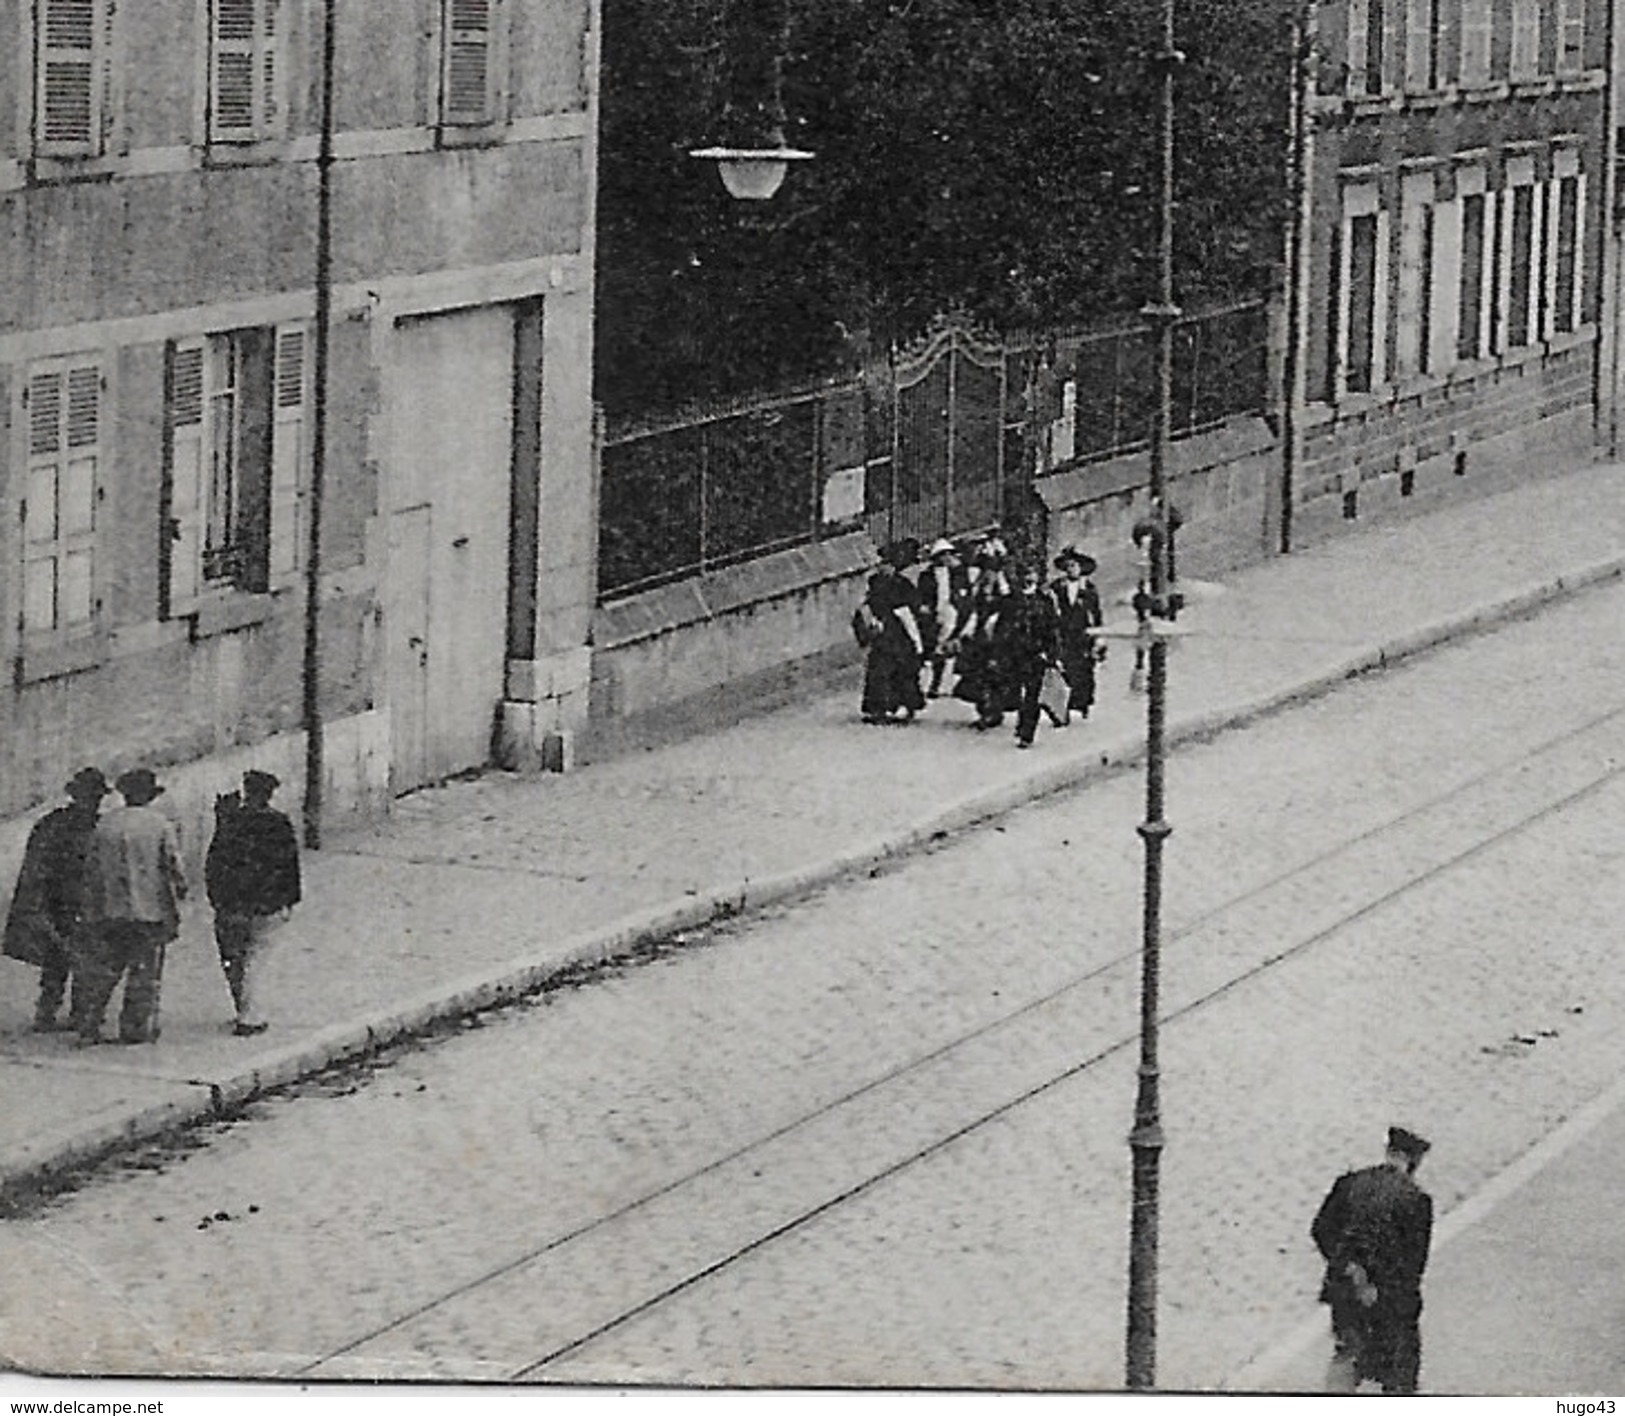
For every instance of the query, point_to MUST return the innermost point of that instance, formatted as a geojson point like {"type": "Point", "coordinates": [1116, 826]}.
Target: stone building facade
{"type": "Point", "coordinates": [1451, 310]}
{"type": "Point", "coordinates": [159, 189]}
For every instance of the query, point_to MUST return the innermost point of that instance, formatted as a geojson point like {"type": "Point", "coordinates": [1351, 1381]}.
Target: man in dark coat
{"type": "Point", "coordinates": [45, 907]}
{"type": "Point", "coordinates": [1077, 602]}
{"type": "Point", "coordinates": [251, 875]}
{"type": "Point", "coordinates": [1373, 1229]}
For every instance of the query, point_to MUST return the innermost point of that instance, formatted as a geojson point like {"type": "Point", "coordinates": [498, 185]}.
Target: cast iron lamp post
{"type": "Point", "coordinates": [1145, 1140]}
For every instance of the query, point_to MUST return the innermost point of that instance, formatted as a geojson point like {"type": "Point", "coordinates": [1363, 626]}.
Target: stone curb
{"type": "Point", "coordinates": [214, 1098]}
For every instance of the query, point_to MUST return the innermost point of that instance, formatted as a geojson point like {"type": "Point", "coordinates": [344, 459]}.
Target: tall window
{"type": "Point", "coordinates": [73, 105]}
{"type": "Point", "coordinates": [235, 420]}
{"type": "Point", "coordinates": [1474, 260]}
{"type": "Point", "coordinates": [62, 414]}
{"type": "Point", "coordinates": [473, 61]}
{"type": "Point", "coordinates": [1360, 305]}
{"type": "Point", "coordinates": [1571, 36]}
{"type": "Point", "coordinates": [245, 71]}
{"type": "Point", "coordinates": [1421, 44]}
{"type": "Point", "coordinates": [1566, 242]}
{"type": "Point", "coordinates": [1413, 310]}
{"type": "Point", "coordinates": [1476, 29]}
{"type": "Point", "coordinates": [1365, 45]}
{"type": "Point", "coordinates": [1525, 60]}
{"type": "Point", "coordinates": [1522, 282]}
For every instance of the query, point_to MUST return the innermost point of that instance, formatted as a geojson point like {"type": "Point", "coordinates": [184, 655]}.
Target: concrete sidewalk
{"type": "Point", "coordinates": [484, 889]}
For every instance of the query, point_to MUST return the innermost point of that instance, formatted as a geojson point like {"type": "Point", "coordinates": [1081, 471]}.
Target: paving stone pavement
{"type": "Point", "coordinates": [482, 888]}
{"type": "Point", "coordinates": [791, 1028]}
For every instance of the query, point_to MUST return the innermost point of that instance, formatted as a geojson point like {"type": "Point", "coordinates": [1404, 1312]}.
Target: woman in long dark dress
{"type": "Point", "coordinates": [891, 676]}
{"type": "Point", "coordinates": [1078, 604]}
{"type": "Point", "coordinates": [980, 681]}
{"type": "Point", "coordinates": [1025, 643]}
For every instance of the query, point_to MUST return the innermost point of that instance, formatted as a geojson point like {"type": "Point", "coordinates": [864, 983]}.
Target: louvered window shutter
{"type": "Point", "coordinates": [272, 108]}
{"type": "Point", "coordinates": [59, 516]}
{"type": "Point", "coordinates": [70, 77]}
{"type": "Point", "coordinates": [469, 63]}
{"type": "Point", "coordinates": [235, 107]}
{"type": "Point", "coordinates": [288, 450]}
{"type": "Point", "coordinates": [184, 411]}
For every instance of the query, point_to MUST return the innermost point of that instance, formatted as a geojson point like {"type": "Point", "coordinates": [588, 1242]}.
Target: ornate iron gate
{"type": "Point", "coordinates": [945, 472]}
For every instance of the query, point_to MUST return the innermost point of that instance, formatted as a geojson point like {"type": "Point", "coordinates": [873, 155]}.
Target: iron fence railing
{"type": "Point", "coordinates": [943, 438]}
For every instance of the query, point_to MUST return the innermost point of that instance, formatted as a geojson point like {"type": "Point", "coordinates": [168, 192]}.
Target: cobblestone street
{"type": "Point", "coordinates": [877, 1137]}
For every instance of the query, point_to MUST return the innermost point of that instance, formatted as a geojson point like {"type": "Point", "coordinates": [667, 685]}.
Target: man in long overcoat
{"type": "Point", "coordinates": [44, 914]}
{"type": "Point", "coordinates": [1374, 1229]}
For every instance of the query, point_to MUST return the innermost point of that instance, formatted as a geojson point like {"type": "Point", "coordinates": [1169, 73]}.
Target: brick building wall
{"type": "Point", "coordinates": [1453, 275]}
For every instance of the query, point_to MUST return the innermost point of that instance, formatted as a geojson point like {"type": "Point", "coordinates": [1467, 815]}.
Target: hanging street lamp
{"type": "Point", "coordinates": [753, 156]}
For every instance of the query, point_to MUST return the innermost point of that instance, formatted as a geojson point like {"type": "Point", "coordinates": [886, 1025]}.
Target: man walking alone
{"type": "Point", "coordinates": [1373, 1229]}
{"type": "Point", "coordinates": [252, 877]}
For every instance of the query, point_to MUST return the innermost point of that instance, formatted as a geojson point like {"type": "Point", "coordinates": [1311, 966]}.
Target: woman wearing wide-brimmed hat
{"type": "Point", "coordinates": [979, 682]}
{"type": "Point", "coordinates": [1078, 603]}
{"type": "Point", "coordinates": [886, 627]}
{"type": "Point", "coordinates": [943, 587]}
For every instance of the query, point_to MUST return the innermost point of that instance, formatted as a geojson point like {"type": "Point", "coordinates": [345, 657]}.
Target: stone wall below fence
{"type": "Point", "coordinates": [709, 649]}
{"type": "Point", "coordinates": [356, 773]}
{"type": "Point", "coordinates": [1218, 480]}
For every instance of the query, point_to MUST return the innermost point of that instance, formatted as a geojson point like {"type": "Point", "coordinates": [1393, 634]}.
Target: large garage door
{"type": "Point", "coordinates": [447, 493]}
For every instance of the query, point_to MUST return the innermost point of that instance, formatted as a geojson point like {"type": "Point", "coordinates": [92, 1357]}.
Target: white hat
{"type": "Point", "coordinates": [942, 546]}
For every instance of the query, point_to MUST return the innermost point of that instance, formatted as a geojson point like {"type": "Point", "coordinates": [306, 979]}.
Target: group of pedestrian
{"type": "Point", "coordinates": [1012, 643]}
{"type": "Point", "coordinates": [99, 895]}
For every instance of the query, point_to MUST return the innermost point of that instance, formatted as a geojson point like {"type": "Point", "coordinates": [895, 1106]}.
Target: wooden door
{"type": "Point", "coordinates": [454, 421]}
{"type": "Point", "coordinates": [406, 621]}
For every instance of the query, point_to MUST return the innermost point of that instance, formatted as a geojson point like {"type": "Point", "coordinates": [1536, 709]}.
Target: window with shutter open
{"type": "Point", "coordinates": [71, 77]}
{"type": "Point", "coordinates": [234, 407]}
{"type": "Point", "coordinates": [288, 450]}
{"type": "Point", "coordinates": [63, 417]}
{"type": "Point", "coordinates": [184, 480]}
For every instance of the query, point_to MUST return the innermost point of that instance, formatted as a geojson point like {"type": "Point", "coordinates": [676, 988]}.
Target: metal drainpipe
{"type": "Point", "coordinates": [318, 444]}
{"type": "Point", "coordinates": [1292, 365]}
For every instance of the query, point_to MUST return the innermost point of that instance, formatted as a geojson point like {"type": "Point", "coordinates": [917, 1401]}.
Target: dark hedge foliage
{"type": "Point", "coordinates": [995, 156]}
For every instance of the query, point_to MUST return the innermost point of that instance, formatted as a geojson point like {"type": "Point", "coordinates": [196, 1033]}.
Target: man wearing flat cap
{"type": "Point", "coordinates": [252, 877]}
{"type": "Point", "coordinates": [44, 916]}
{"type": "Point", "coordinates": [134, 886]}
{"type": "Point", "coordinates": [1373, 1230]}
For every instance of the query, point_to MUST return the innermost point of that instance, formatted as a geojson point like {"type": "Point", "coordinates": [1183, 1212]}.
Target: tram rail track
{"type": "Point", "coordinates": [1517, 795]}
